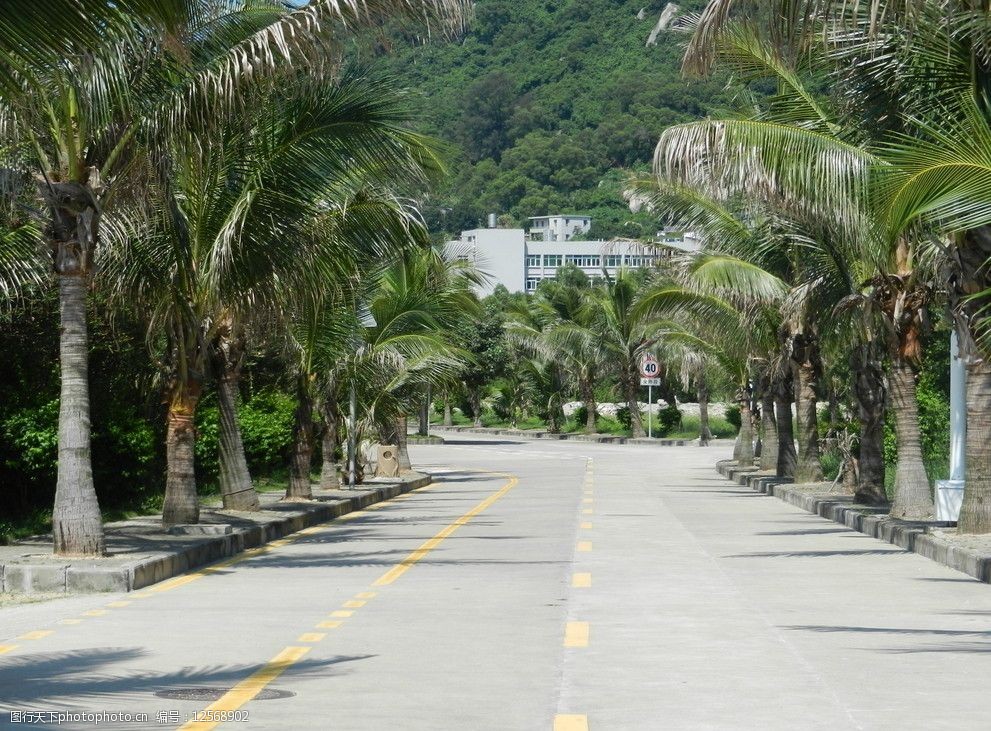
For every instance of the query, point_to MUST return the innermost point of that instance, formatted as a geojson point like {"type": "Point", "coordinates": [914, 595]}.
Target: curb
{"type": "Point", "coordinates": [921, 537]}
{"type": "Point", "coordinates": [546, 435]}
{"type": "Point", "coordinates": [67, 577]}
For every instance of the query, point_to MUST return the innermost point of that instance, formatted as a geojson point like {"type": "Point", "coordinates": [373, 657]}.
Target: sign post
{"type": "Point", "coordinates": [649, 368]}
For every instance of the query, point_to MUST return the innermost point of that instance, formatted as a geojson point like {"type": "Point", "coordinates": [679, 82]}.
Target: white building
{"type": "Point", "coordinates": [557, 228]}
{"type": "Point", "coordinates": [519, 260]}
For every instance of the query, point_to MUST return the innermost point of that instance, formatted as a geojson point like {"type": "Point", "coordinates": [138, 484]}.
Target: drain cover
{"type": "Point", "coordinates": [212, 694]}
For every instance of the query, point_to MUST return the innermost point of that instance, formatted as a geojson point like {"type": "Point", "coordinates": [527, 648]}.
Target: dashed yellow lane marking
{"type": "Point", "coordinates": [581, 581]}
{"type": "Point", "coordinates": [118, 605]}
{"type": "Point", "coordinates": [142, 595]}
{"type": "Point", "coordinates": [341, 613]}
{"type": "Point", "coordinates": [95, 613]}
{"type": "Point", "coordinates": [576, 634]}
{"type": "Point", "coordinates": [588, 500]}
{"type": "Point", "coordinates": [250, 686]}
{"type": "Point", "coordinates": [311, 637]}
{"type": "Point", "coordinates": [584, 545]}
{"type": "Point", "coordinates": [365, 595]}
{"type": "Point", "coordinates": [70, 621]}
{"type": "Point", "coordinates": [586, 525]}
{"type": "Point", "coordinates": [570, 722]}
{"type": "Point", "coordinates": [587, 511]}
{"type": "Point", "coordinates": [331, 624]}
{"type": "Point", "coordinates": [589, 492]}
{"type": "Point", "coordinates": [354, 603]}
{"type": "Point", "coordinates": [4, 649]}
{"type": "Point", "coordinates": [407, 563]}
{"type": "Point", "coordinates": [37, 634]}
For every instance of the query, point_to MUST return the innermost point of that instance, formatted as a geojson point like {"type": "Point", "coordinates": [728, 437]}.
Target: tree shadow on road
{"type": "Point", "coordinates": [74, 677]}
{"type": "Point", "coordinates": [974, 641]}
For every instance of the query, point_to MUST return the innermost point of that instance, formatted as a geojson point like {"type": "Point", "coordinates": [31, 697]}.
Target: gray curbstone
{"type": "Point", "coordinates": [209, 543]}
{"type": "Point", "coordinates": [921, 537]}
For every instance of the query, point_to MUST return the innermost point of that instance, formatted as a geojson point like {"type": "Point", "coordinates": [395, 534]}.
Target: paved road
{"type": "Point", "coordinates": [534, 586]}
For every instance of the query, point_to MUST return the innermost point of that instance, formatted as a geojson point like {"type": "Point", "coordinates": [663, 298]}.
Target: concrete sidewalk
{"type": "Point", "coordinates": [558, 436]}
{"type": "Point", "coordinates": [141, 553]}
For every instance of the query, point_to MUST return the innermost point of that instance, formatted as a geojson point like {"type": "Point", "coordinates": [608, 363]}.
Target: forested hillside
{"type": "Point", "coordinates": [545, 103]}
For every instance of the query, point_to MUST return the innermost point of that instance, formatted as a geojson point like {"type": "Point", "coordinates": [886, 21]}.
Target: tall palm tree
{"type": "Point", "coordinates": [244, 210]}
{"type": "Point", "coordinates": [86, 89]}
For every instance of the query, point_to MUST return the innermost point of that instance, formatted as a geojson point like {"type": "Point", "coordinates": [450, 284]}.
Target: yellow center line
{"type": "Point", "coordinates": [586, 525]}
{"type": "Point", "coordinates": [576, 634]}
{"type": "Point", "coordinates": [581, 580]}
{"type": "Point", "coordinates": [37, 634]}
{"type": "Point", "coordinates": [365, 595]}
{"type": "Point", "coordinates": [249, 687]}
{"type": "Point", "coordinates": [118, 605]}
{"type": "Point", "coordinates": [4, 649]}
{"type": "Point", "coordinates": [355, 603]}
{"type": "Point", "coordinates": [570, 722]}
{"type": "Point", "coordinates": [407, 563]}
{"type": "Point", "coordinates": [341, 613]}
{"type": "Point", "coordinates": [588, 500]}
{"type": "Point", "coordinates": [584, 545]}
{"type": "Point", "coordinates": [70, 621]}
{"type": "Point", "coordinates": [587, 511]}
{"type": "Point", "coordinates": [330, 624]}
{"type": "Point", "coordinates": [95, 613]}
{"type": "Point", "coordinates": [311, 637]}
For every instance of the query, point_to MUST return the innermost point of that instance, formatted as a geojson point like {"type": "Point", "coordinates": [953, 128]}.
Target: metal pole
{"type": "Point", "coordinates": [958, 411]}
{"type": "Point", "coordinates": [650, 404]}
{"type": "Point", "coordinates": [352, 439]}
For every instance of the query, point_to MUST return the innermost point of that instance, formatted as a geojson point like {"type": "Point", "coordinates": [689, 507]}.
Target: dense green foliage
{"type": "Point", "coordinates": [543, 101]}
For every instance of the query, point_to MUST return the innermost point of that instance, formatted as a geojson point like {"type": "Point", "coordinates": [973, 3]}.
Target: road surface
{"type": "Point", "coordinates": [533, 586]}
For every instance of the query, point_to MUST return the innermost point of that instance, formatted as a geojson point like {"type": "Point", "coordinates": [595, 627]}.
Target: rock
{"type": "Point", "coordinates": [669, 13]}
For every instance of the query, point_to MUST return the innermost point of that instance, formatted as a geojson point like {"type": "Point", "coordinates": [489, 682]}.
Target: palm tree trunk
{"type": "Point", "coordinates": [588, 399]}
{"type": "Point", "coordinates": [300, 486]}
{"type": "Point", "coordinates": [181, 504]}
{"type": "Point", "coordinates": [769, 432]}
{"type": "Point", "coordinates": [77, 527]}
{"type": "Point", "coordinates": [329, 479]}
{"type": "Point", "coordinates": [236, 489]}
{"type": "Point", "coordinates": [869, 392]}
{"type": "Point", "coordinates": [913, 500]}
{"type": "Point", "coordinates": [745, 439]}
{"type": "Point", "coordinates": [705, 433]}
{"type": "Point", "coordinates": [475, 401]}
{"type": "Point", "coordinates": [424, 429]}
{"type": "Point", "coordinates": [787, 459]}
{"type": "Point", "coordinates": [809, 468]}
{"type": "Point", "coordinates": [402, 425]}
{"type": "Point", "coordinates": [633, 401]}
{"type": "Point", "coordinates": [975, 513]}
{"type": "Point", "coordinates": [448, 415]}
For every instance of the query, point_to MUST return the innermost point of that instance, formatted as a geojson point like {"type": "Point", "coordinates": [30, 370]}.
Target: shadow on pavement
{"type": "Point", "coordinates": [977, 641]}
{"type": "Point", "coordinates": [71, 678]}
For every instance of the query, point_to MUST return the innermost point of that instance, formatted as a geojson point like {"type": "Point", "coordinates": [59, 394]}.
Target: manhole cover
{"type": "Point", "coordinates": [212, 694]}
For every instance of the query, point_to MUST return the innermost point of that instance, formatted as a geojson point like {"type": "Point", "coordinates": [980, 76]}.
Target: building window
{"type": "Point", "coordinates": [640, 261]}
{"type": "Point", "coordinates": [531, 284]}
{"type": "Point", "coordinates": [614, 260]}
{"type": "Point", "coordinates": [583, 260]}
{"type": "Point", "coordinates": [552, 260]}
{"type": "Point", "coordinates": [533, 260]}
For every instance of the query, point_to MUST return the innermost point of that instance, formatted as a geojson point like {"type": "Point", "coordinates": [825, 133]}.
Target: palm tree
{"type": "Point", "coordinates": [243, 211]}
{"type": "Point", "coordinates": [626, 333]}
{"type": "Point", "coordinates": [86, 89]}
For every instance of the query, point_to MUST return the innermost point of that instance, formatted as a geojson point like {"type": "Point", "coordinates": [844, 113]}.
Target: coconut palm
{"type": "Point", "coordinates": [89, 87]}
{"type": "Point", "coordinates": [249, 208]}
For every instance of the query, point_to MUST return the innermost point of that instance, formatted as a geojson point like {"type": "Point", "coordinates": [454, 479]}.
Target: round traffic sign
{"type": "Point", "coordinates": [649, 367]}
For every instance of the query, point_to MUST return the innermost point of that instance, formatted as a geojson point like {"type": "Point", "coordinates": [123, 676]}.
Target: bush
{"type": "Point", "coordinates": [668, 419]}
{"type": "Point", "coordinates": [623, 417]}
{"type": "Point", "coordinates": [581, 416]}
{"type": "Point", "coordinates": [733, 416]}
{"type": "Point", "coordinates": [266, 428]}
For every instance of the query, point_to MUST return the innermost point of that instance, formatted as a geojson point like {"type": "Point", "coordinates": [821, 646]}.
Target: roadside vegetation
{"type": "Point", "coordinates": [215, 236]}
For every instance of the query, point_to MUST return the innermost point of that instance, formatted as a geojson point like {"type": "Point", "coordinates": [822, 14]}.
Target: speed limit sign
{"type": "Point", "coordinates": [649, 367]}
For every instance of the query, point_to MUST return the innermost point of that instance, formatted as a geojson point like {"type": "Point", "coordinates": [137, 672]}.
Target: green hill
{"type": "Point", "coordinates": [545, 103]}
